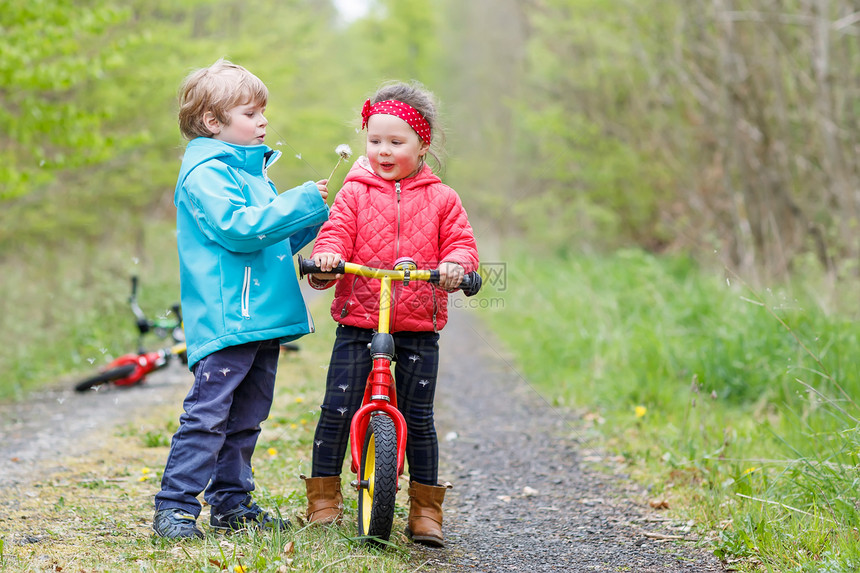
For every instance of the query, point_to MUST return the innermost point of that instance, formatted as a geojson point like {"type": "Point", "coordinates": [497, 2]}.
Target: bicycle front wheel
{"type": "Point", "coordinates": [104, 377]}
{"type": "Point", "coordinates": [377, 475]}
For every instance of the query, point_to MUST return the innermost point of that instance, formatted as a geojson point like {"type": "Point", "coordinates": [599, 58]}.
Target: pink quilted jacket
{"type": "Point", "coordinates": [374, 222]}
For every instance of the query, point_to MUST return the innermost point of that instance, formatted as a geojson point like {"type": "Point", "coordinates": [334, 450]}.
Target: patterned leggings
{"type": "Point", "coordinates": [415, 370]}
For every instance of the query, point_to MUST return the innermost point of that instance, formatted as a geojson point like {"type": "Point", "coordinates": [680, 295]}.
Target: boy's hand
{"type": "Point", "coordinates": [450, 276]}
{"type": "Point", "coordinates": [322, 186]}
{"type": "Point", "coordinates": [327, 261]}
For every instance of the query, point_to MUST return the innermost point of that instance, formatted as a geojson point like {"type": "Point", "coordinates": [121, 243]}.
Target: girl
{"type": "Point", "coordinates": [391, 205]}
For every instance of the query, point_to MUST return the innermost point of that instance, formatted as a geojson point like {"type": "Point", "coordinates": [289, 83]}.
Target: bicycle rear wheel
{"type": "Point", "coordinates": [105, 376]}
{"type": "Point", "coordinates": [377, 475]}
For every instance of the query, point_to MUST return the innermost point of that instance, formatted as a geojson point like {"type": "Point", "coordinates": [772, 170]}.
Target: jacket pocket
{"type": "Point", "coordinates": [246, 293]}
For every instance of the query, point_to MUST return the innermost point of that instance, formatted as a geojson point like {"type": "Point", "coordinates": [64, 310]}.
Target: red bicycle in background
{"type": "Point", "coordinates": [378, 429]}
{"type": "Point", "coordinates": [133, 368]}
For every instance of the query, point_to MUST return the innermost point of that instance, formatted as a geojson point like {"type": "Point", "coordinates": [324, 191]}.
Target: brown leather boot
{"type": "Point", "coordinates": [425, 513]}
{"type": "Point", "coordinates": [325, 502]}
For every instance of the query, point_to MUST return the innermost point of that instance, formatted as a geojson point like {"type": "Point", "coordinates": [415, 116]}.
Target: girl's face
{"type": "Point", "coordinates": [247, 125]}
{"type": "Point", "coordinates": [393, 148]}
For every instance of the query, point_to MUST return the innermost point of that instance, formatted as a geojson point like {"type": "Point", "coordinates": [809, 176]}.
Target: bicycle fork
{"type": "Point", "coordinates": [380, 393]}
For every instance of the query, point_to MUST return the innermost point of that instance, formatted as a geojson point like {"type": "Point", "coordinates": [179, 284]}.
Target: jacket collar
{"type": "Point", "coordinates": [363, 173]}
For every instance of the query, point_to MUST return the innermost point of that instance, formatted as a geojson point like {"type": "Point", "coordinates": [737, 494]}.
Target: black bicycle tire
{"type": "Point", "coordinates": [105, 376]}
{"type": "Point", "coordinates": [378, 455]}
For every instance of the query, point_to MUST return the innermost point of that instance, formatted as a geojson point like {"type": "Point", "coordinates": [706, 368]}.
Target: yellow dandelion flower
{"type": "Point", "coordinates": [299, 399]}
{"type": "Point", "coordinates": [239, 569]}
{"type": "Point", "coordinates": [303, 421]}
{"type": "Point", "coordinates": [272, 452]}
{"type": "Point", "coordinates": [749, 471]}
{"type": "Point", "coordinates": [145, 470]}
{"type": "Point", "coordinates": [293, 426]}
{"type": "Point", "coordinates": [640, 411]}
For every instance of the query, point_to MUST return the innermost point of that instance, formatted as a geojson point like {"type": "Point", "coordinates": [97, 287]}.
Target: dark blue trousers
{"type": "Point", "coordinates": [415, 370]}
{"type": "Point", "coordinates": [231, 395]}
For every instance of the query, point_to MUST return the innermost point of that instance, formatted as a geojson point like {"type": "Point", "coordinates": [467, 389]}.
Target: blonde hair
{"type": "Point", "coordinates": [217, 89]}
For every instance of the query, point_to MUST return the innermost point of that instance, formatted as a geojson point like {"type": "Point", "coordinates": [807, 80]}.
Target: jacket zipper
{"type": "Point", "coordinates": [246, 293]}
{"type": "Point", "coordinates": [435, 308]}
{"type": "Point", "coordinates": [397, 234]}
{"type": "Point", "coordinates": [396, 253]}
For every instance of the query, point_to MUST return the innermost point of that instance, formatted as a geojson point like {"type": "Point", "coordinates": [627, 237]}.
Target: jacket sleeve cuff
{"type": "Point", "coordinates": [318, 284]}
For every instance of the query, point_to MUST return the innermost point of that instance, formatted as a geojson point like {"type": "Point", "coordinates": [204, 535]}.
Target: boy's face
{"type": "Point", "coordinates": [246, 125]}
{"type": "Point", "coordinates": [393, 147]}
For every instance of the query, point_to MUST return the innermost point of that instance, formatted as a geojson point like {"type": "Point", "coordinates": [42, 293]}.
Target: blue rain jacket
{"type": "Point", "coordinates": [236, 237]}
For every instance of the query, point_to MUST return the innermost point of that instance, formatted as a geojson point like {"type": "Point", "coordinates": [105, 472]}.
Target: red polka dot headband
{"type": "Point", "coordinates": [398, 109]}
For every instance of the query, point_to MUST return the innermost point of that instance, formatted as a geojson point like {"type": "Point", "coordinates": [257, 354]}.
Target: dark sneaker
{"type": "Point", "coordinates": [246, 515]}
{"type": "Point", "coordinates": [176, 524]}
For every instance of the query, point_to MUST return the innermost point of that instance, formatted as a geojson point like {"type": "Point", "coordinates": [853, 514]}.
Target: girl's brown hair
{"type": "Point", "coordinates": [416, 95]}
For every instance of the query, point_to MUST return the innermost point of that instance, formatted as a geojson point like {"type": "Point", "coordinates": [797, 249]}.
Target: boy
{"type": "Point", "coordinates": [240, 297]}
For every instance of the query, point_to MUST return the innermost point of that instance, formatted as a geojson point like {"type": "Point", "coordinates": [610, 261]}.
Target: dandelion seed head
{"type": "Point", "coordinates": [343, 150]}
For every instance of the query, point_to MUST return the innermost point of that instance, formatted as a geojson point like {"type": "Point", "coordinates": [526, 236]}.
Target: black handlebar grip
{"type": "Point", "coordinates": [308, 267]}
{"type": "Point", "coordinates": [471, 283]}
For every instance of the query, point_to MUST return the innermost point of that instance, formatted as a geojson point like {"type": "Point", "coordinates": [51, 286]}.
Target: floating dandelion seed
{"type": "Point", "coordinates": [343, 410]}
{"type": "Point", "coordinates": [91, 360]}
{"type": "Point", "coordinates": [414, 358]}
{"type": "Point", "coordinates": [343, 387]}
{"type": "Point", "coordinates": [343, 152]}
{"type": "Point", "coordinates": [224, 371]}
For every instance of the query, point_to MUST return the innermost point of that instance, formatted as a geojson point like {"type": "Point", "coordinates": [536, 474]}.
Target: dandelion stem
{"type": "Point", "coordinates": [335, 168]}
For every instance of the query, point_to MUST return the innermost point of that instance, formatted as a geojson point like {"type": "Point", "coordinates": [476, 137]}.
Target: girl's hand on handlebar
{"type": "Point", "coordinates": [326, 262]}
{"type": "Point", "coordinates": [450, 276]}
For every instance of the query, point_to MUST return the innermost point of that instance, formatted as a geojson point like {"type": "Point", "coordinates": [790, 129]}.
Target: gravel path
{"type": "Point", "coordinates": [521, 500]}
{"type": "Point", "coordinates": [55, 424]}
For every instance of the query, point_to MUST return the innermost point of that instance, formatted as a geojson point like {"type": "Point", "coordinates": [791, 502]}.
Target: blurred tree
{"type": "Point", "coordinates": [53, 53]}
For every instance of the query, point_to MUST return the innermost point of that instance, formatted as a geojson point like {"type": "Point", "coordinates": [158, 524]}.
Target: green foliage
{"type": "Point", "coordinates": [54, 55]}
{"type": "Point", "coordinates": [749, 394]}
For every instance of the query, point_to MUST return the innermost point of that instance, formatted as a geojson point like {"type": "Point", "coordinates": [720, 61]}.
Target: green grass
{"type": "Point", "coordinates": [734, 403]}
{"type": "Point", "coordinates": [96, 514]}
{"type": "Point", "coordinates": [65, 311]}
